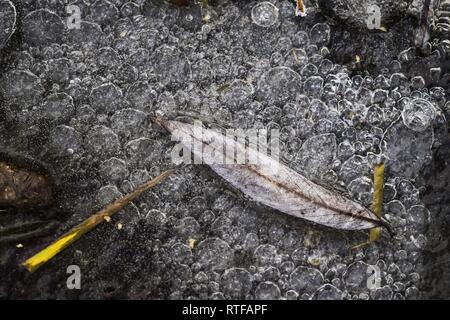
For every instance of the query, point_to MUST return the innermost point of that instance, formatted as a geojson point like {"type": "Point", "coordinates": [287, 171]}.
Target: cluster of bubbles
{"type": "Point", "coordinates": [86, 95]}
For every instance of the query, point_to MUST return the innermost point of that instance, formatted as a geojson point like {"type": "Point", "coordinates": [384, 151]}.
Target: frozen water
{"type": "Point", "coordinates": [237, 95]}
{"type": "Point", "coordinates": [180, 253]}
{"type": "Point", "coordinates": [355, 167]}
{"type": "Point", "coordinates": [187, 228]}
{"type": "Point", "coordinates": [88, 101]}
{"type": "Point", "coordinates": [384, 293]}
{"type": "Point", "coordinates": [300, 39]}
{"type": "Point", "coordinates": [296, 59]}
{"type": "Point", "coordinates": [361, 189]}
{"type": "Point", "coordinates": [251, 241]}
{"type": "Point", "coordinates": [142, 151]}
{"type": "Point", "coordinates": [313, 86]}
{"type": "Point", "coordinates": [107, 195]}
{"type": "Point", "coordinates": [291, 295]}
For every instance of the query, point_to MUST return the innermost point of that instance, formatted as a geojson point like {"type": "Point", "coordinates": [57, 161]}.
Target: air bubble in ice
{"type": "Point", "coordinates": [267, 291]}
{"type": "Point", "coordinates": [102, 141]}
{"type": "Point", "coordinates": [317, 154]}
{"type": "Point", "coordinates": [306, 280]}
{"type": "Point", "coordinates": [171, 65]}
{"type": "Point", "coordinates": [180, 253]}
{"type": "Point", "coordinates": [406, 150]}
{"type": "Point", "coordinates": [187, 228]}
{"type": "Point", "coordinates": [313, 86]}
{"type": "Point", "coordinates": [265, 14]}
{"type": "Point", "coordinates": [236, 283]}
{"type": "Point", "coordinates": [384, 293]}
{"type": "Point", "coordinates": [327, 292]}
{"type": "Point", "coordinates": [65, 140]}
{"type": "Point", "coordinates": [57, 108]}
{"type": "Point", "coordinates": [107, 194]}
{"type": "Point", "coordinates": [279, 85]}
{"type": "Point", "coordinates": [309, 70]}
{"type": "Point", "coordinates": [296, 58]}
{"type": "Point", "coordinates": [375, 115]}
{"type": "Point", "coordinates": [291, 295]}
{"type": "Point", "coordinates": [266, 254]}
{"type": "Point", "coordinates": [142, 151]}
{"type": "Point", "coordinates": [356, 166]}
{"type": "Point", "coordinates": [355, 277]}
{"type": "Point", "coordinates": [237, 95]}
{"type": "Point", "coordinates": [418, 217]}
{"type": "Point", "coordinates": [114, 170]}
{"type": "Point", "coordinates": [22, 87]}
{"type": "Point", "coordinates": [361, 190]}
{"type": "Point", "coordinates": [418, 114]}
{"type": "Point", "coordinates": [106, 97]}
{"type": "Point", "coordinates": [214, 253]}
{"type": "Point", "coordinates": [129, 123]}
{"type": "Point", "coordinates": [320, 34]}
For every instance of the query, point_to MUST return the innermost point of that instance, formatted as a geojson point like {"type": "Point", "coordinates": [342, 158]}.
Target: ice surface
{"type": "Point", "coordinates": [86, 95]}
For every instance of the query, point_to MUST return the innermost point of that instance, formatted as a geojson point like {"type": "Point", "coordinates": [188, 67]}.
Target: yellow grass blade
{"type": "Point", "coordinates": [377, 203]}
{"type": "Point", "coordinates": [33, 263]}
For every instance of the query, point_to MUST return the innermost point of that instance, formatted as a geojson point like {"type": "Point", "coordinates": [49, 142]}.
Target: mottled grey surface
{"type": "Point", "coordinates": [80, 99]}
{"type": "Point", "coordinates": [8, 18]}
{"type": "Point", "coordinates": [361, 14]}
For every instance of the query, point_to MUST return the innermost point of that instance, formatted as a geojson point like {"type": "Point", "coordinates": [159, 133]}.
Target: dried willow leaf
{"type": "Point", "coordinates": [282, 189]}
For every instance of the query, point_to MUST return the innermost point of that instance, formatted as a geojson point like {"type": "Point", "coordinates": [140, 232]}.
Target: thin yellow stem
{"type": "Point", "coordinates": [42, 257]}
{"type": "Point", "coordinates": [377, 204]}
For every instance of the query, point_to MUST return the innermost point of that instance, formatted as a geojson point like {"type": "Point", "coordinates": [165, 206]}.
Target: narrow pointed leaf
{"type": "Point", "coordinates": [270, 182]}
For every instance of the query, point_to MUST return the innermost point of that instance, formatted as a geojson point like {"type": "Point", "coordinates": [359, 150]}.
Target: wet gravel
{"type": "Point", "coordinates": [79, 99]}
